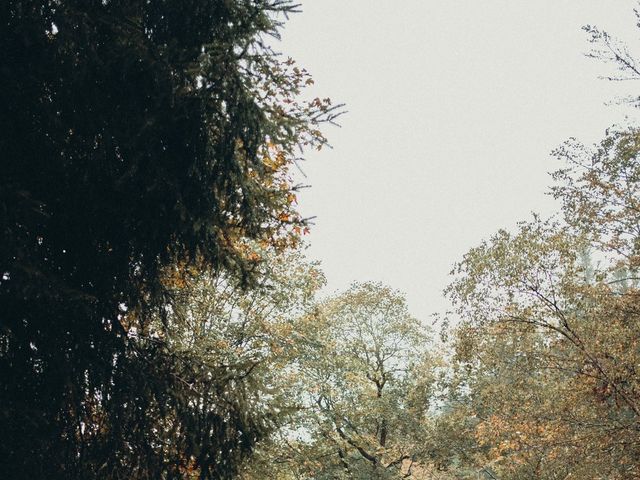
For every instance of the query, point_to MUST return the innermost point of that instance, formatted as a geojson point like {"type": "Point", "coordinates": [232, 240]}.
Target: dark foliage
{"type": "Point", "coordinates": [131, 137]}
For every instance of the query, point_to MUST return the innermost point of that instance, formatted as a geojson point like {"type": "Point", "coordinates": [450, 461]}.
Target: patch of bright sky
{"type": "Point", "coordinates": [453, 110]}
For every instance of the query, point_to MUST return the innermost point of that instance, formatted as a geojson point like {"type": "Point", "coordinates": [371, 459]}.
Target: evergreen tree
{"type": "Point", "coordinates": [135, 136]}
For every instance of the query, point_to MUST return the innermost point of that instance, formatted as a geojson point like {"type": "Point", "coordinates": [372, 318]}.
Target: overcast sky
{"type": "Point", "coordinates": [453, 109]}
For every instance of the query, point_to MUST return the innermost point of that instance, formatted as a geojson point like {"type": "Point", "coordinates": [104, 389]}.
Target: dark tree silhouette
{"type": "Point", "coordinates": [135, 135]}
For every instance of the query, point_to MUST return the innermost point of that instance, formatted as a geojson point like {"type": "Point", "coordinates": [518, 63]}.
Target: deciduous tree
{"type": "Point", "coordinates": [548, 347]}
{"type": "Point", "coordinates": [365, 384]}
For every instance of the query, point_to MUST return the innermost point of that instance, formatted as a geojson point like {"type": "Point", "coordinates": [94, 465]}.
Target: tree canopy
{"type": "Point", "coordinates": [159, 319]}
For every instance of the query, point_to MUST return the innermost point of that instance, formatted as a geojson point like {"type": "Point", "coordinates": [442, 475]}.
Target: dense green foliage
{"type": "Point", "coordinates": [136, 135]}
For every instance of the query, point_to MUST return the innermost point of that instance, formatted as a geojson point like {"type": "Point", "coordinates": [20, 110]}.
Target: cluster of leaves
{"type": "Point", "coordinates": [137, 137]}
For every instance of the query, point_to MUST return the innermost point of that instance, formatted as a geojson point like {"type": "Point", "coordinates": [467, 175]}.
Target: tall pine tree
{"type": "Point", "coordinates": [135, 135]}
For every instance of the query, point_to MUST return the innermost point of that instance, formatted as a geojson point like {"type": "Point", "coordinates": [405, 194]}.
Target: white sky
{"type": "Point", "coordinates": [453, 107]}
